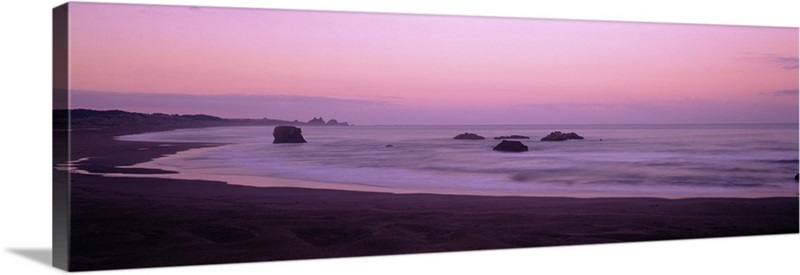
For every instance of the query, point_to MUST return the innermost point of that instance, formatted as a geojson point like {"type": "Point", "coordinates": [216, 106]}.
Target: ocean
{"type": "Point", "coordinates": [669, 161]}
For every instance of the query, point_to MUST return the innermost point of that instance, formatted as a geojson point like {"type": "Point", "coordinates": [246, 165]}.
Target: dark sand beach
{"type": "Point", "coordinates": [128, 222]}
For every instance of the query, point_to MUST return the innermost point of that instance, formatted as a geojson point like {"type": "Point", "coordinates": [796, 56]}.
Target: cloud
{"type": "Point", "coordinates": [789, 63]}
{"type": "Point", "coordinates": [386, 112]}
{"type": "Point", "coordinates": [231, 106]}
{"type": "Point", "coordinates": [787, 92]}
{"type": "Point", "coordinates": [784, 62]}
{"type": "Point", "coordinates": [669, 111]}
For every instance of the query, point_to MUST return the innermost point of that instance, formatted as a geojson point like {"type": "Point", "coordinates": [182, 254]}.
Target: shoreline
{"type": "Point", "coordinates": [133, 222]}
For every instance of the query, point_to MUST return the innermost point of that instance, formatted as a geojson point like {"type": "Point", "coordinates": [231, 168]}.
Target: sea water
{"type": "Point", "coordinates": [672, 161]}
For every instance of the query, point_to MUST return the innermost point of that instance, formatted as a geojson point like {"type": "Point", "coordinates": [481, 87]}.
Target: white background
{"type": "Point", "coordinates": [25, 236]}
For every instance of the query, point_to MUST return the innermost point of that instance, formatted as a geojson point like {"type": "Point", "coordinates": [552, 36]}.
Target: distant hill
{"type": "Point", "coordinates": [90, 119]}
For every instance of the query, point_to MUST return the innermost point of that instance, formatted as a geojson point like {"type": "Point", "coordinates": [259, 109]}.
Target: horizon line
{"type": "Point", "coordinates": [455, 124]}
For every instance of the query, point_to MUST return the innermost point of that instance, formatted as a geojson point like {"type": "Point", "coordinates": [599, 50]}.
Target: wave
{"type": "Point", "coordinates": [656, 161]}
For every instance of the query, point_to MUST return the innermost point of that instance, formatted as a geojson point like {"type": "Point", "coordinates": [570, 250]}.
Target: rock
{"type": "Point", "coordinates": [511, 146]}
{"type": "Point", "coordinates": [559, 136]}
{"type": "Point", "coordinates": [316, 121]}
{"type": "Point", "coordinates": [468, 136]}
{"type": "Point", "coordinates": [334, 122]}
{"type": "Point", "coordinates": [389, 146]}
{"type": "Point", "coordinates": [321, 121]}
{"type": "Point", "coordinates": [796, 177]}
{"type": "Point", "coordinates": [288, 134]}
{"type": "Point", "coordinates": [512, 137]}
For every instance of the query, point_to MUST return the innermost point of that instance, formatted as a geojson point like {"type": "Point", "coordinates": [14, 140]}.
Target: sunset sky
{"type": "Point", "coordinates": [413, 69]}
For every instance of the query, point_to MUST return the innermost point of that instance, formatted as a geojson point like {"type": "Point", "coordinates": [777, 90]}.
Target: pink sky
{"type": "Point", "coordinates": [414, 69]}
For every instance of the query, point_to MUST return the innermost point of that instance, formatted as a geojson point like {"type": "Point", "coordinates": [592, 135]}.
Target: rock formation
{"type": "Point", "coordinates": [321, 121]}
{"type": "Point", "coordinates": [468, 136]}
{"type": "Point", "coordinates": [334, 122]}
{"type": "Point", "coordinates": [288, 134]}
{"type": "Point", "coordinates": [512, 137]}
{"type": "Point", "coordinates": [559, 136]}
{"type": "Point", "coordinates": [316, 121]}
{"type": "Point", "coordinates": [511, 146]}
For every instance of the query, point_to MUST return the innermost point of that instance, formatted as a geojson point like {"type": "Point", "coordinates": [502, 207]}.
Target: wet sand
{"type": "Point", "coordinates": [126, 222]}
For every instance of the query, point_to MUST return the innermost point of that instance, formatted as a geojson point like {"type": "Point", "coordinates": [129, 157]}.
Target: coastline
{"type": "Point", "coordinates": [533, 176]}
{"type": "Point", "coordinates": [125, 222]}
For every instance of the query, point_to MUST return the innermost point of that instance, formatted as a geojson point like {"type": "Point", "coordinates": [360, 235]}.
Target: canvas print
{"type": "Point", "coordinates": [194, 135]}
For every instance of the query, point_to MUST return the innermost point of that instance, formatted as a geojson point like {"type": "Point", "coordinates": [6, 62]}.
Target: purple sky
{"type": "Point", "coordinates": [412, 69]}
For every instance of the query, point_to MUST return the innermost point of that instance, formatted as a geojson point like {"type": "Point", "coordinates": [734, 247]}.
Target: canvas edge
{"type": "Point", "coordinates": [61, 135]}
{"type": "Point", "coordinates": [60, 82]}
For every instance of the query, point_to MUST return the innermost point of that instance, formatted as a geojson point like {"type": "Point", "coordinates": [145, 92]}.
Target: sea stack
{"type": "Point", "coordinates": [512, 137]}
{"type": "Point", "coordinates": [559, 136]}
{"type": "Point", "coordinates": [511, 146]}
{"type": "Point", "coordinates": [288, 134]}
{"type": "Point", "coordinates": [468, 136]}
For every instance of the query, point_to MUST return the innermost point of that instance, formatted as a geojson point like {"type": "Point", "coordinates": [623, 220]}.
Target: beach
{"type": "Point", "coordinates": [126, 222]}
